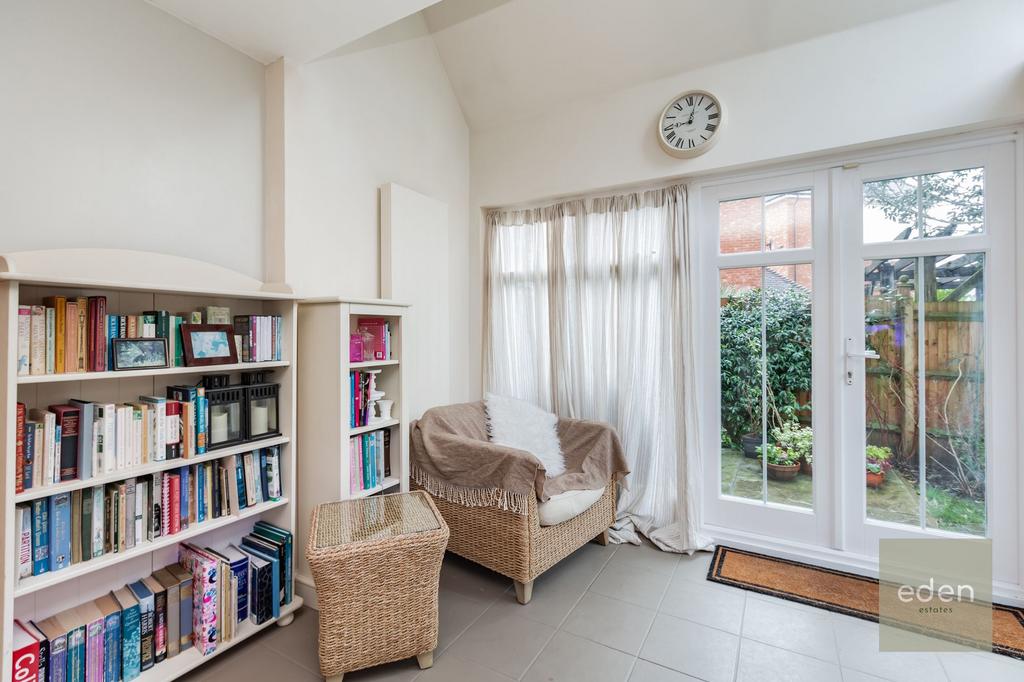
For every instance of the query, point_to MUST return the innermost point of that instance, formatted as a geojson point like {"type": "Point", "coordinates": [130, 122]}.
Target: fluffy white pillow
{"type": "Point", "coordinates": [524, 426]}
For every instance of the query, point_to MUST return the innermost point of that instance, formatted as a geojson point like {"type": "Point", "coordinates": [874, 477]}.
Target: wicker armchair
{"type": "Point", "coordinates": [499, 527]}
{"type": "Point", "coordinates": [517, 546]}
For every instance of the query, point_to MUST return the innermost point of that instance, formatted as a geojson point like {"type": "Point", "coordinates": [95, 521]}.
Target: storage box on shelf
{"type": "Point", "coordinates": [134, 282]}
{"type": "Point", "coordinates": [345, 448]}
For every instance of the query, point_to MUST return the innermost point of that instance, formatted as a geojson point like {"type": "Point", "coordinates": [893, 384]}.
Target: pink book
{"type": "Point", "coordinates": [353, 471]}
{"type": "Point", "coordinates": [203, 568]}
{"type": "Point", "coordinates": [359, 458]}
{"type": "Point", "coordinates": [93, 618]}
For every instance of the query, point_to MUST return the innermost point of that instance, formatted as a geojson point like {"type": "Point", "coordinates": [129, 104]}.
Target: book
{"type": "Point", "coordinates": [159, 441]}
{"type": "Point", "coordinates": [74, 625]}
{"type": "Point", "coordinates": [86, 411]}
{"type": "Point", "coordinates": [238, 563]}
{"type": "Point", "coordinates": [203, 568]}
{"type": "Point", "coordinates": [57, 636]}
{"type": "Point", "coordinates": [146, 623]}
{"type": "Point", "coordinates": [28, 456]}
{"type": "Point", "coordinates": [50, 341]}
{"type": "Point", "coordinates": [92, 618]}
{"type": "Point", "coordinates": [44, 649]}
{"type": "Point", "coordinates": [82, 346]}
{"type": "Point", "coordinates": [37, 339]}
{"type": "Point", "coordinates": [111, 611]}
{"type": "Point", "coordinates": [23, 528]}
{"type": "Point", "coordinates": [159, 617]}
{"type": "Point", "coordinates": [40, 536]}
{"type": "Point", "coordinates": [19, 448]}
{"type": "Point", "coordinates": [131, 632]}
{"type": "Point", "coordinates": [59, 306]}
{"type": "Point", "coordinates": [60, 531]}
{"type": "Point", "coordinates": [86, 507]}
{"type": "Point", "coordinates": [172, 608]}
{"type": "Point", "coordinates": [25, 659]}
{"type": "Point", "coordinates": [76, 526]}
{"type": "Point", "coordinates": [261, 588]}
{"type": "Point", "coordinates": [98, 526]}
{"type": "Point", "coordinates": [70, 340]}
{"type": "Point", "coordinates": [184, 579]}
{"type": "Point", "coordinates": [24, 339]}
{"type": "Point", "coordinates": [285, 539]}
{"type": "Point", "coordinates": [68, 421]}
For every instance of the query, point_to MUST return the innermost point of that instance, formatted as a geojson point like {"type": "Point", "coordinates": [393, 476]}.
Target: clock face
{"type": "Point", "coordinates": [689, 124]}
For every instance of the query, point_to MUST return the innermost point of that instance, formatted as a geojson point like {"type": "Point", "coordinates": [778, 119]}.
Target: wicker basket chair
{"type": "Point", "coordinates": [507, 537]}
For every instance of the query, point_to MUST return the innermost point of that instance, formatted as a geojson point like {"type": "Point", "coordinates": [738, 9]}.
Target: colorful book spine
{"type": "Point", "coordinates": [40, 537]}
{"type": "Point", "coordinates": [19, 449]}
{"type": "Point", "coordinates": [24, 339]}
{"type": "Point", "coordinates": [204, 601]}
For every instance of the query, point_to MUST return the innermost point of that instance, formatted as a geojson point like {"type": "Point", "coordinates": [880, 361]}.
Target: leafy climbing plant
{"type": "Point", "coordinates": [787, 317]}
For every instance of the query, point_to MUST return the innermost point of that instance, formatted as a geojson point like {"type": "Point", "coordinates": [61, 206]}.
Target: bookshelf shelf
{"type": "Point", "coordinates": [370, 364]}
{"type": "Point", "coordinates": [134, 282]}
{"type": "Point", "coordinates": [376, 426]}
{"type": "Point", "coordinates": [150, 468]}
{"type": "Point", "coordinates": [323, 367]}
{"type": "Point", "coordinates": [171, 668]}
{"type": "Point", "coordinates": [134, 373]}
{"type": "Point", "coordinates": [39, 582]}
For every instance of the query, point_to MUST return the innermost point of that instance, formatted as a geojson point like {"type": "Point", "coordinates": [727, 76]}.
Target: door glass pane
{"type": "Point", "coordinates": [890, 391]}
{"type": "Point", "coordinates": [787, 305]}
{"type": "Point", "coordinates": [955, 392]}
{"type": "Point", "coordinates": [787, 221]}
{"type": "Point", "coordinates": [941, 358]}
{"type": "Point", "coordinates": [739, 225]}
{"type": "Point", "coordinates": [944, 204]}
{"type": "Point", "coordinates": [742, 385]}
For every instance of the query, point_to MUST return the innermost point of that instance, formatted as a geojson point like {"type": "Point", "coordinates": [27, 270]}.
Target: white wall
{"type": "Point", "coordinates": [955, 65]}
{"type": "Point", "coordinates": [123, 127]}
{"type": "Point", "coordinates": [381, 110]}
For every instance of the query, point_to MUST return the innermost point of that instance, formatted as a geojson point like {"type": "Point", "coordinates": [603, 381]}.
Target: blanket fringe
{"type": "Point", "coordinates": [506, 500]}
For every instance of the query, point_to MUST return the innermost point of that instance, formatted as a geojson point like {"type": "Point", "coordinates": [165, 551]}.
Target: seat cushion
{"type": "Point", "coordinates": [567, 505]}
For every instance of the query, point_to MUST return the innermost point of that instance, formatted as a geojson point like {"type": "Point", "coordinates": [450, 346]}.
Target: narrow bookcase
{"type": "Point", "coordinates": [324, 329]}
{"type": "Point", "coordinates": [134, 282]}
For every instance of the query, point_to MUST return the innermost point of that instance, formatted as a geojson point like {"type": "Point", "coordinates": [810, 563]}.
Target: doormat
{"type": "Point", "coordinates": [837, 591]}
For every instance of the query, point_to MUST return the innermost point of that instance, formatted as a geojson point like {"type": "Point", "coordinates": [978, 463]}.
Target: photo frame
{"type": "Point", "coordinates": [208, 344]}
{"type": "Point", "coordinates": [129, 354]}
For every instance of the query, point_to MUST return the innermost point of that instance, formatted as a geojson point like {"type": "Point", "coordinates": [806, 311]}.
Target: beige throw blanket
{"type": "Point", "coordinates": [452, 458]}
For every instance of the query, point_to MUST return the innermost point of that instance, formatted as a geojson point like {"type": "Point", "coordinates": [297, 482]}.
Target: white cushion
{"type": "Point", "coordinates": [567, 505]}
{"type": "Point", "coordinates": [522, 425]}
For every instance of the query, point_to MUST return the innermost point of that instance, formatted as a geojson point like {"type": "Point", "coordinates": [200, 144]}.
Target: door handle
{"type": "Point", "coordinates": [855, 354]}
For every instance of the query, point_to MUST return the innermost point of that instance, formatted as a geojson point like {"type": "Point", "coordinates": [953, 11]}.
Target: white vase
{"type": "Point", "coordinates": [385, 408]}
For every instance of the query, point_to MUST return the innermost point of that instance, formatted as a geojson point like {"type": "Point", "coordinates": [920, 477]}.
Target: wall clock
{"type": "Point", "coordinates": [690, 124]}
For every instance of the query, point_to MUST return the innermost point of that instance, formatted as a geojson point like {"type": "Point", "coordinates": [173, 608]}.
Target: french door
{"type": "Point", "coordinates": [860, 376]}
{"type": "Point", "coordinates": [928, 329]}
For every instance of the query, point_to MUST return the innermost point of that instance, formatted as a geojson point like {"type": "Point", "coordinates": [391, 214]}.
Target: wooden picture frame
{"type": "Point", "coordinates": [204, 345]}
{"type": "Point", "coordinates": [135, 354]}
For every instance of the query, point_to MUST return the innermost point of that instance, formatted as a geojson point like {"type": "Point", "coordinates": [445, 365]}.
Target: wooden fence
{"type": "Point", "coordinates": [954, 375]}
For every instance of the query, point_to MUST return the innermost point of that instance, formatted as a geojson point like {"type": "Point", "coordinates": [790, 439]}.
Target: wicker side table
{"type": "Point", "coordinates": [376, 563]}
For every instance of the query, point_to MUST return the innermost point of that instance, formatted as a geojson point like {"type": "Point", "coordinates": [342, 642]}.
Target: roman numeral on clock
{"type": "Point", "coordinates": [671, 136]}
{"type": "Point", "coordinates": [712, 117]}
{"type": "Point", "coordinates": [709, 127]}
{"type": "Point", "coordinates": [689, 101]}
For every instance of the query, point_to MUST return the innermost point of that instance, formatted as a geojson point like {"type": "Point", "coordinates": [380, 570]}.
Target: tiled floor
{"type": "Point", "coordinates": [620, 613]}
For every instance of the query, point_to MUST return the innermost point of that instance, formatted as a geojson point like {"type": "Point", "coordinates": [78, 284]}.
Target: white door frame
{"type": "Point", "coordinates": [835, 551]}
{"type": "Point", "coordinates": [859, 534]}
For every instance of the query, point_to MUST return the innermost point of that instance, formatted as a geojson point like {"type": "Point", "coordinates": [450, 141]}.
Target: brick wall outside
{"type": "Point", "coordinates": [788, 225]}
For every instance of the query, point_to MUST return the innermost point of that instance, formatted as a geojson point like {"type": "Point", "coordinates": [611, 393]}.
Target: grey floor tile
{"type": "Point", "coordinates": [850, 675]}
{"type": "Point", "coordinates": [858, 650]}
{"type": "Point", "coordinates": [634, 585]}
{"type": "Point", "coordinates": [568, 658]}
{"type": "Point", "coordinates": [705, 603]}
{"type": "Point", "coordinates": [764, 663]}
{"type": "Point", "coordinates": [645, 556]}
{"type": "Point", "coordinates": [448, 668]}
{"type": "Point", "coordinates": [253, 661]}
{"type": "Point", "coordinates": [691, 648]}
{"type": "Point", "coordinates": [967, 667]}
{"type": "Point", "coordinates": [694, 567]}
{"type": "Point", "coordinates": [502, 641]}
{"type": "Point", "coordinates": [803, 631]}
{"type": "Point", "coordinates": [470, 580]}
{"type": "Point", "coordinates": [399, 671]}
{"type": "Point", "coordinates": [298, 641]}
{"type": "Point", "coordinates": [645, 671]}
{"type": "Point", "coordinates": [611, 622]}
{"type": "Point", "coordinates": [456, 612]}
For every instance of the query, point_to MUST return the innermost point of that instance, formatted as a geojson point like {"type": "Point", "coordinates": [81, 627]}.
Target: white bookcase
{"type": "Point", "coordinates": [325, 326]}
{"type": "Point", "coordinates": [133, 282]}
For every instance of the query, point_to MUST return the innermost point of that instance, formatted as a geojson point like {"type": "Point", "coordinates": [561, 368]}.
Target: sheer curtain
{"type": "Point", "coordinates": [589, 314]}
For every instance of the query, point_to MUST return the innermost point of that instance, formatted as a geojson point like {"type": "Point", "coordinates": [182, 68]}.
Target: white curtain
{"type": "Point", "coordinates": [589, 314]}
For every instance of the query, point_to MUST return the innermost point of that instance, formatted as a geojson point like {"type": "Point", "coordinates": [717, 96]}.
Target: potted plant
{"type": "Point", "coordinates": [751, 444]}
{"type": "Point", "coordinates": [782, 465]}
{"type": "Point", "coordinates": [798, 441]}
{"type": "Point", "coordinates": [876, 464]}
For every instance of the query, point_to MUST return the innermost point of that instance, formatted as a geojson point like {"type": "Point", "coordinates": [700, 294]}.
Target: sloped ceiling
{"type": "Point", "coordinates": [299, 29]}
{"type": "Point", "coordinates": [510, 60]}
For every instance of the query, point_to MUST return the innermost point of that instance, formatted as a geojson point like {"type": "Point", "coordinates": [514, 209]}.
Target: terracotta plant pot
{"type": "Point", "coordinates": [806, 468]}
{"type": "Point", "coordinates": [875, 480]}
{"type": "Point", "coordinates": [750, 442]}
{"type": "Point", "coordinates": [783, 472]}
